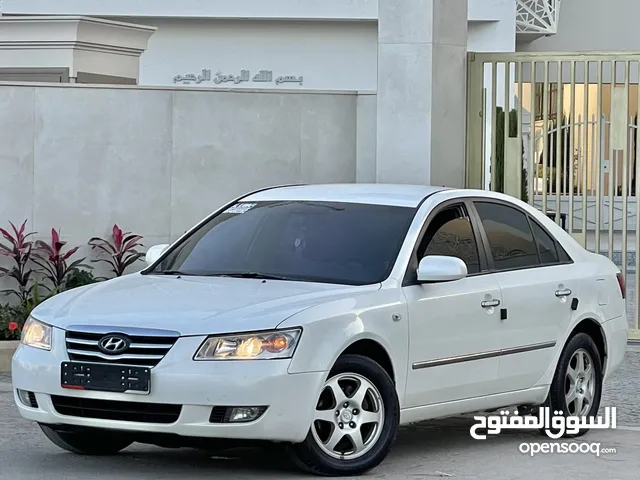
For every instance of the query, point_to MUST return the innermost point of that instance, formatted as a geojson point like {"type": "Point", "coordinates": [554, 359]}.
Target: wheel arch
{"type": "Point", "coordinates": [373, 350]}
{"type": "Point", "coordinates": [594, 329]}
{"type": "Point", "coordinates": [588, 325]}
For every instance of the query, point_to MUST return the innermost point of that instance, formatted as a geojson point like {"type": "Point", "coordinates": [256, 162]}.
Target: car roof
{"type": "Point", "coordinates": [399, 195]}
{"type": "Point", "coordinates": [404, 195]}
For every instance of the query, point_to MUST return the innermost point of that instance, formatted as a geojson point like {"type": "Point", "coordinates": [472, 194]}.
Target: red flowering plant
{"type": "Point", "coordinates": [19, 250]}
{"type": "Point", "coordinates": [12, 318]}
{"type": "Point", "coordinates": [120, 251]}
{"type": "Point", "coordinates": [53, 261]}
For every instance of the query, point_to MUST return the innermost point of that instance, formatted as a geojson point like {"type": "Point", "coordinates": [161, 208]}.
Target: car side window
{"type": "Point", "coordinates": [510, 238]}
{"type": "Point", "coordinates": [450, 233]}
{"type": "Point", "coordinates": [546, 245]}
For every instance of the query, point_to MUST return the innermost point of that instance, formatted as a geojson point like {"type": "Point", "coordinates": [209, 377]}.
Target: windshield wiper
{"type": "Point", "coordinates": [171, 272]}
{"type": "Point", "coordinates": [263, 276]}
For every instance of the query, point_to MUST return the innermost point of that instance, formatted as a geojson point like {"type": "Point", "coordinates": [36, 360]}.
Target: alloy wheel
{"type": "Point", "coordinates": [349, 416]}
{"type": "Point", "coordinates": [580, 383]}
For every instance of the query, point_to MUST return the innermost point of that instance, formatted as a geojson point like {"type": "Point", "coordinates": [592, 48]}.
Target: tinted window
{"type": "Point", "coordinates": [344, 243]}
{"type": "Point", "coordinates": [450, 233]}
{"type": "Point", "coordinates": [510, 238]}
{"type": "Point", "coordinates": [546, 245]}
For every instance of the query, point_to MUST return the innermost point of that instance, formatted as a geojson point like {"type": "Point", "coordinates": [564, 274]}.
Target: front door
{"type": "Point", "coordinates": [454, 338]}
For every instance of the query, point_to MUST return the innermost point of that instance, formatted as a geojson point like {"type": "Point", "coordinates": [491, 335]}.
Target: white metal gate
{"type": "Point", "coordinates": [561, 132]}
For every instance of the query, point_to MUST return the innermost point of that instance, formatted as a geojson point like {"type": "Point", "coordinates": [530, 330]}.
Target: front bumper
{"type": "Point", "coordinates": [196, 387]}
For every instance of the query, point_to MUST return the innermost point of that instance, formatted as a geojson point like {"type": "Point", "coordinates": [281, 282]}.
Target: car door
{"type": "Point", "coordinates": [454, 326]}
{"type": "Point", "coordinates": [537, 281]}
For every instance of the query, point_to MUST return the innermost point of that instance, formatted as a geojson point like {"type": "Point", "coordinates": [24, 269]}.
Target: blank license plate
{"type": "Point", "coordinates": [105, 378]}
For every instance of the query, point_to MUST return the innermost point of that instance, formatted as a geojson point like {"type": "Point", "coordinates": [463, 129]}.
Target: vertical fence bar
{"type": "Point", "coordinates": [637, 192]}
{"type": "Point", "coordinates": [484, 134]}
{"type": "Point", "coordinates": [532, 136]}
{"type": "Point", "coordinates": [545, 133]}
{"type": "Point", "coordinates": [566, 154]}
{"type": "Point", "coordinates": [572, 115]}
{"type": "Point", "coordinates": [519, 133]}
{"type": "Point", "coordinates": [585, 157]}
{"type": "Point", "coordinates": [507, 124]}
{"type": "Point", "coordinates": [625, 173]}
{"type": "Point", "coordinates": [613, 158]}
{"type": "Point", "coordinates": [559, 163]}
{"type": "Point", "coordinates": [598, 158]}
{"type": "Point", "coordinates": [494, 122]}
{"type": "Point", "coordinates": [579, 153]}
{"type": "Point", "coordinates": [592, 157]}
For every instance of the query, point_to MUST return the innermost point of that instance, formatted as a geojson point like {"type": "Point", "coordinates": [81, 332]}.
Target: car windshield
{"type": "Point", "coordinates": [328, 242]}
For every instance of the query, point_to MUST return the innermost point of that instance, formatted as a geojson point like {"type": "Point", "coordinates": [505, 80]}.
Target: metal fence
{"type": "Point", "coordinates": [561, 132]}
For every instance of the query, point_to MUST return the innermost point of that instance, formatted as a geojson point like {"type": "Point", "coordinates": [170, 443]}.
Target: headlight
{"type": "Point", "coordinates": [36, 334]}
{"type": "Point", "coordinates": [258, 346]}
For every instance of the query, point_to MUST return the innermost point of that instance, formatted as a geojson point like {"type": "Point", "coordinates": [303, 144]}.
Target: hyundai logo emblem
{"type": "Point", "coordinates": [113, 344]}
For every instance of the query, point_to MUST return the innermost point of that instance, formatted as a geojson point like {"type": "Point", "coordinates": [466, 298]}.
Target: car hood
{"type": "Point", "coordinates": [188, 305]}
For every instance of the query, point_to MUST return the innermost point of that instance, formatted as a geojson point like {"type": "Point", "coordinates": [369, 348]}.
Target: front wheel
{"type": "Point", "coordinates": [87, 443]}
{"type": "Point", "coordinates": [355, 422]}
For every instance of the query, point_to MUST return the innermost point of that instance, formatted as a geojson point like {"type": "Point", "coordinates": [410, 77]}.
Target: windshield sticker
{"type": "Point", "coordinates": [240, 208]}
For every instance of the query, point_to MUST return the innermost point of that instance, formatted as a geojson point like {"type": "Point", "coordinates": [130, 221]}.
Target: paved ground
{"type": "Point", "coordinates": [441, 449]}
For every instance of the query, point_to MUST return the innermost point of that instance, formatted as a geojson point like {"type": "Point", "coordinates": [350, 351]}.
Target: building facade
{"type": "Point", "coordinates": [292, 44]}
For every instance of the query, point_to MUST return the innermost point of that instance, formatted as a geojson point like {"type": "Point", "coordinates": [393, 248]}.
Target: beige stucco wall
{"type": "Point", "coordinates": [155, 161]}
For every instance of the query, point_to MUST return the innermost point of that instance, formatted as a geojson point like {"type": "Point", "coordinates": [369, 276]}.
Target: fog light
{"type": "Point", "coordinates": [245, 414]}
{"type": "Point", "coordinates": [27, 398]}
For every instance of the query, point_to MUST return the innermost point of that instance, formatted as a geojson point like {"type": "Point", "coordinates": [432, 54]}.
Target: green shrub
{"type": "Point", "coordinates": [500, 123]}
{"type": "Point", "coordinates": [79, 278]}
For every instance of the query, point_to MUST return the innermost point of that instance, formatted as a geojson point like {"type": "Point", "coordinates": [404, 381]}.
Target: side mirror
{"type": "Point", "coordinates": [436, 268]}
{"type": "Point", "coordinates": [155, 252]}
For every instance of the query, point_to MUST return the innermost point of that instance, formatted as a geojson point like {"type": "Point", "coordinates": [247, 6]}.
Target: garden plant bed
{"type": "Point", "coordinates": [39, 270]}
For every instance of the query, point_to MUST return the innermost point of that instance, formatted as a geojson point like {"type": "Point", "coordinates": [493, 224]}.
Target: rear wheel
{"type": "Point", "coordinates": [99, 442]}
{"type": "Point", "coordinates": [576, 387]}
{"type": "Point", "coordinates": [355, 422]}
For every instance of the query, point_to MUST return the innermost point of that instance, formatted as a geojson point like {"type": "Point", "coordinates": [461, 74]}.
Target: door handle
{"type": "Point", "coordinates": [490, 303]}
{"type": "Point", "coordinates": [563, 293]}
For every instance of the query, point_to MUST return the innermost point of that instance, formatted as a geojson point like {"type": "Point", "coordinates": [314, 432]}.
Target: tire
{"type": "Point", "coordinates": [561, 390]}
{"type": "Point", "coordinates": [98, 442]}
{"type": "Point", "coordinates": [377, 417]}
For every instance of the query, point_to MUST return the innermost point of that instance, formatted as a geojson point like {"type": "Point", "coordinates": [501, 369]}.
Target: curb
{"type": "Point", "coordinates": [7, 348]}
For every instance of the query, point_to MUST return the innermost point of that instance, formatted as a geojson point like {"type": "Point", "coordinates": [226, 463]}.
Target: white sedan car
{"type": "Point", "coordinates": [322, 317]}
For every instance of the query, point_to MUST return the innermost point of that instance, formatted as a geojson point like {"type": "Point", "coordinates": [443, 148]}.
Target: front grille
{"type": "Point", "coordinates": [146, 351]}
{"type": "Point", "coordinates": [112, 410]}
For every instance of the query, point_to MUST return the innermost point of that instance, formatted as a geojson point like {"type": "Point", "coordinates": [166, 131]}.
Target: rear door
{"type": "Point", "coordinates": [538, 283]}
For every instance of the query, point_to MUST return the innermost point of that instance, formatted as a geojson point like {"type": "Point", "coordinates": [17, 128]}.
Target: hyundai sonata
{"type": "Point", "coordinates": [322, 317]}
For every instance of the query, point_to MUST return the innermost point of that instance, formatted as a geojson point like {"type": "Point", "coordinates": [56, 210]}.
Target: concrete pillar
{"type": "Point", "coordinates": [421, 101]}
